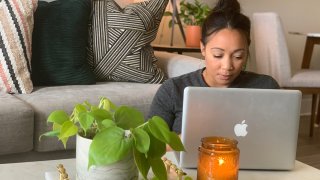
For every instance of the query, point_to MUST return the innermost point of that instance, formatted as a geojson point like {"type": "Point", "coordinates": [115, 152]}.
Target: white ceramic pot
{"type": "Point", "coordinates": [125, 169]}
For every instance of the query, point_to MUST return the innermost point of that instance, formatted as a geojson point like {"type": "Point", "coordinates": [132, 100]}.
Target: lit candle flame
{"type": "Point", "coordinates": [221, 161]}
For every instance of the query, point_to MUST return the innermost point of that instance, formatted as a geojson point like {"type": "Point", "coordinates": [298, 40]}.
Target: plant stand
{"type": "Point", "coordinates": [175, 15]}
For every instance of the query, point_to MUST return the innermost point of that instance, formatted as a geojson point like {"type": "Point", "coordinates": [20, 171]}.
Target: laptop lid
{"type": "Point", "coordinates": [265, 122]}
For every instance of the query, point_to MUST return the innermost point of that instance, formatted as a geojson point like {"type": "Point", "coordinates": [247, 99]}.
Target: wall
{"type": "Point", "coordinates": [296, 15]}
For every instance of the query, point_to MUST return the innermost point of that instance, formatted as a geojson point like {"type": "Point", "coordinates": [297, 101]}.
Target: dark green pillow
{"type": "Point", "coordinates": [59, 55]}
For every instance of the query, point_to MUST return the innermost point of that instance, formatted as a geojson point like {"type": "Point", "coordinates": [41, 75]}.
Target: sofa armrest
{"type": "Point", "coordinates": [176, 64]}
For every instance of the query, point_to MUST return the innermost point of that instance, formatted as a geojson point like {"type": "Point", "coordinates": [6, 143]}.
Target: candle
{"type": "Point", "coordinates": [218, 159]}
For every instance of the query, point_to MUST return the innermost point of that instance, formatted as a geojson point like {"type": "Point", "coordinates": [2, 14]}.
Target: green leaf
{"type": "Point", "coordinates": [86, 103]}
{"type": "Point", "coordinates": [106, 104]}
{"type": "Point", "coordinates": [157, 148]}
{"type": "Point", "coordinates": [68, 129]}
{"type": "Point", "coordinates": [64, 142]}
{"type": "Point", "coordinates": [107, 123]}
{"type": "Point", "coordinates": [109, 146]}
{"type": "Point", "coordinates": [141, 139]}
{"type": "Point", "coordinates": [175, 142]}
{"type": "Point", "coordinates": [50, 134]}
{"type": "Point", "coordinates": [193, 13]}
{"type": "Point", "coordinates": [56, 126]}
{"type": "Point", "coordinates": [141, 162]}
{"type": "Point", "coordinates": [58, 117]}
{"type": "Point", "coordinates": [188, 178]}
{"type": "Point", "coordinates": [128, 117]}
{"type": "Point", "coordinates": [159, 129]}
{"type": "Point", "coordinates": [85, 119]}
{"type": "Point", "coordinates": [101, 114]}
{"type": "Point", "coordinates": [158, 168]}
{"type": "Point", "coordinates": [79, 108]}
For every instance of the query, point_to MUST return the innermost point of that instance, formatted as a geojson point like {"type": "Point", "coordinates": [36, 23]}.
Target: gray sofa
{"type": "Point", "coordinates": [23, 116]}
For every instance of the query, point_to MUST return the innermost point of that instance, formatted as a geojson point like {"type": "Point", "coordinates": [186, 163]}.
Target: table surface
{"type": "Point", "coordinates": [36, 171]}
{"type": "Point", "coordinates": [313, 34]}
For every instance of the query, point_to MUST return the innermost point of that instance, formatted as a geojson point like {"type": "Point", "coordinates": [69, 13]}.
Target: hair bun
{"type": "Point", "coordinates": [227, 6]}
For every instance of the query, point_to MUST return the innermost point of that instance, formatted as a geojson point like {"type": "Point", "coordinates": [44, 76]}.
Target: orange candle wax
{"type": "Point", "coordinates": [218, 159]}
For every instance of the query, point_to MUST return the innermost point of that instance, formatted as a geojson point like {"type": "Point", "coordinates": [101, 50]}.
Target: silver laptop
{"type": "Point", "coordinates": [265, 123]}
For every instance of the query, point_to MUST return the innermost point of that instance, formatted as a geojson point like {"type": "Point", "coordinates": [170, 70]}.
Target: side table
{"type": "Point", "coordinates": [178, 49]}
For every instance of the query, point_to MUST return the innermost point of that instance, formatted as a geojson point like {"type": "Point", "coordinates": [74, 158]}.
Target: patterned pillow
{"type": "Point", "coordinates": [120, 41]}
{"type": "Point", "coordinates": [16, 25]}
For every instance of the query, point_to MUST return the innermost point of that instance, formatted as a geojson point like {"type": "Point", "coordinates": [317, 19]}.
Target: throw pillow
{"type": "Point", "coordinates": [16, 25]}
{"type": "Point", "coordinates": [60, 43]}
{"type": "Point", "coordinates": [120, 41]}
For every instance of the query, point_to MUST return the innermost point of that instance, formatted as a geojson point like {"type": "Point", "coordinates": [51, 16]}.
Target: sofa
{"type": "Point", "coordinates": [23, 116]}
{"type": "Point", "coordinates": [25, 105]}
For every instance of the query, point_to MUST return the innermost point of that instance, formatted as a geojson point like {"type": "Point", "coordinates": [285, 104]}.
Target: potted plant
{"type": "Point", "coordinates": [114, 135]}
{"type": "Point", "coordinates": [193, 16]}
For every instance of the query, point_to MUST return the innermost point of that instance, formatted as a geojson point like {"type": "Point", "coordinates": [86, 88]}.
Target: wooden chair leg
{"type": "Point", "coordinates": [313, 111]}
{"type": "Point", "coordinates": [318, 111]}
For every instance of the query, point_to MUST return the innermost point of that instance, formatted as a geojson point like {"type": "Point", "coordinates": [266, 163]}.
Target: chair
{"type": "Point", "coordinates": [272, 58]}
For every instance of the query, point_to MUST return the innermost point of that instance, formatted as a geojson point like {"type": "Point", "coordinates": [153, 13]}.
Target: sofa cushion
{"type": "Point", "coordinates": [16, 122]}
{"type": "Point", "coordinates": [59, 43]}
{"type": "Point", "coordinates": [44, 100]}
{"type": "Point", "coordinates": [120, 41]}
{"type": "Point", "coordinates": [16, 25]}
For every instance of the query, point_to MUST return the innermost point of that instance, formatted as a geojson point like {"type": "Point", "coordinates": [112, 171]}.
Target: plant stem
{"type": "Point", "coordinates": [142, 125]}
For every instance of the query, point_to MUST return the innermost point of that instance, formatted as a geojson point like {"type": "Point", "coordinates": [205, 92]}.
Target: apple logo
{"type": "Point", "coordinates": [241, 129]}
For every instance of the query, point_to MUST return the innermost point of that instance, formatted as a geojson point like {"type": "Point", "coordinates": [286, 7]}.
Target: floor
{"type": "Point", "coordinates": [308, 150]}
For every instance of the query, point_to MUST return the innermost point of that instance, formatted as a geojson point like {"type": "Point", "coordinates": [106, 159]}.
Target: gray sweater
{"type": "Point", "coordinates": [168, 100]}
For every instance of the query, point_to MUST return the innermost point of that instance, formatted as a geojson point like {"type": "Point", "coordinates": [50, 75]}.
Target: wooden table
{"type": "Point", "coordinates": [178, 49]}
{"type": "Point", "coordinates": [36, 171]}
{"type": "Point", "coordinates": [312, 40]}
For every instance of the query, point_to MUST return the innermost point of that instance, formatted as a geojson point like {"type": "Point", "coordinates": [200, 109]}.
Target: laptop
{"type": "Point", "coordinates": [266, 121]}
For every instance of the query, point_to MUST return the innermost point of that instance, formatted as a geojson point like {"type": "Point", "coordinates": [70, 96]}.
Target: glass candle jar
{"type": "Point", "coordinates": [218, 159]}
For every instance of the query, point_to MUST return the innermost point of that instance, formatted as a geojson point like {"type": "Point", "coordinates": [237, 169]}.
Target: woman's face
{"type": "Point", "coordinates": [225, 54]}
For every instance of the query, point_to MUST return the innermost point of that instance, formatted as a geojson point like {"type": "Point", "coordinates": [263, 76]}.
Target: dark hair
{"type": "Point", "coordinates": [226, 14]}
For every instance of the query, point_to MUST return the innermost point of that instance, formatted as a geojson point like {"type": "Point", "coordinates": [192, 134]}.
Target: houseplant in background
{"type": "Point", "coordinates": [114, 138]}
{"type": "Point", "coordinates": [193, 15]}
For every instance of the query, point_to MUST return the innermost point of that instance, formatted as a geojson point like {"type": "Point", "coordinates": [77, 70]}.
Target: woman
{"type": "Point", "coordinates": [225, 47]}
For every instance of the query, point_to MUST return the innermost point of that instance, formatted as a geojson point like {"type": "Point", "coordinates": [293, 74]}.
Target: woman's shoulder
{"type": "Point", "coordinates": [254, 80]}
{"type": "Point", "coordinates": [193, 74]}
{"type": "Point", "coordinates": [250, 74]}
{"type": "Point", "coordinates": [180, 82]}
{"type": "Point", "coordinates": [189, 78]}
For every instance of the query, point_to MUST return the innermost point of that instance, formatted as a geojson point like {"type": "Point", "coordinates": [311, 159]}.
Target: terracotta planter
{"type": "Point", "coordinates": [125, 169]}
{"type": "Point", "coordinates": [193, 36]}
